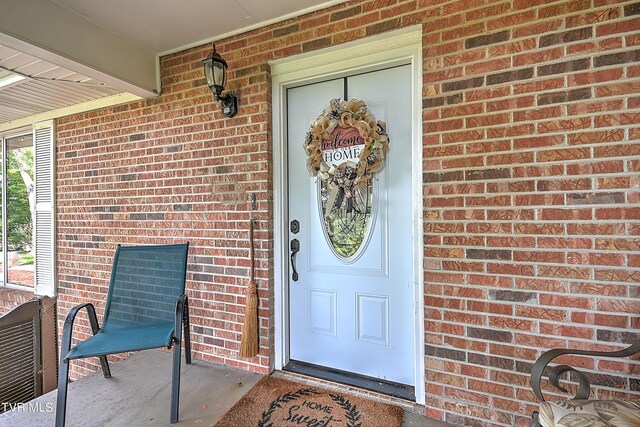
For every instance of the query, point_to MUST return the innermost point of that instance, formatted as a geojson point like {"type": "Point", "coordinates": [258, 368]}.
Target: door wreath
{"type": "Point", "coordinates": [345, 146]}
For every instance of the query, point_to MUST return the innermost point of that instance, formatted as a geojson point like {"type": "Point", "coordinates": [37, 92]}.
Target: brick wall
{"type": "Point", "coordinates": [170, 170]}
{"type": "Point", "coordinates": [11, 298]}
{"type": "Point", "coordinates": [531, 162]}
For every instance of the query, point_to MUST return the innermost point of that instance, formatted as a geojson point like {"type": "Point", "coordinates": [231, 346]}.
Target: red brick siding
{"type": "Point", "coordinates": [11, 298]}
{"type": "Point", "coordinates": [531, 187]}
{"type": "Point", "coordinates": [531, 193]}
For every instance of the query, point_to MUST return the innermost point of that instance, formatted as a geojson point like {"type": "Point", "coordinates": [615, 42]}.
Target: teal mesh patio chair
{"type": "Point", "coordinates": [146, 308]}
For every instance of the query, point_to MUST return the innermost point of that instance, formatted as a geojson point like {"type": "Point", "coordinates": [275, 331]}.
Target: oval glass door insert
{"type": "Point", "coordinates": [348, 221]}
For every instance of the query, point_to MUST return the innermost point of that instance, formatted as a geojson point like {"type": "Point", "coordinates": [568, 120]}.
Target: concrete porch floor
{"type": "Point", "coordinates": [138, 394]}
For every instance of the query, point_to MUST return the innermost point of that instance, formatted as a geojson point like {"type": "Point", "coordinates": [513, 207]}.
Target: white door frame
{"type": "Point", "coordinates": [381, 51]}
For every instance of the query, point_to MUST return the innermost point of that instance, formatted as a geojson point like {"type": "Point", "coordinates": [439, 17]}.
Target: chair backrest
{"type": "Point", "coordinates": [146, 282]}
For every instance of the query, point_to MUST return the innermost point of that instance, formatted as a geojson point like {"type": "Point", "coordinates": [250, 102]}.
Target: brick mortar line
{"type": "Point", "coordinates": [565, 205]}
{"type": "Point", "coordinates": [73, 186]}
{"type": "Point", "coordinates": [523, 249]}
{"type": "Point", "coordinates": [563, 132]}
{"type": "Point", "coordinates": [205, 99]}
{"type": "Point", "coordinates": [533, 235]}
{"type": "Point", "coordinates": [559, 178]}
{"type": "Point", "coordinates": [262, 166]}
{"type": "Point", "coordinates": [535, 134]}
{"type": "Point", "coordinates": [490, 234]}
{"type": "Point", "coordinates": [523, 387]}
{"type": "Point", "coordinates": [229, 358]}
{"type": "Point", "coordinates": [77, 272]}
{"type": "Point", "coordinates": [149, 222]}
{"type": "Point", "coordinates": [536, 19]}
{"type": "Point", "coordinates": [523, 207]}
{"type": "Point", "coordinates": [594, 327]}
{"type": "Point", "coordinates": [518, 386]}
{"type": "Point", "coordinates": [72, 192]}
{"type": "Point", "coordinates": [591, 115]}
{"type": "Point", "coordinates": [185, 154]}
{"type": "Point", "coordinates": [537, 192]}
{"type": "Point", "coordinates": [514, 276]}
{"type": "Point", "coordinates": [102, 282]}
{"type": "Point", "coordinates": [533, 304]}
{"type": "Point", "coordinates": [537, 304]}
{"type": "Point", "coordinates": [65, 207]}
{"type": "Point", "coordinates": [567, 162]}
{"type": "Point", "coordinates": [124, 132]}
{"type": "Point", "coordinates": [512, 110]}
{"type": "Point", "coordinates": [515, 109]}
{"type": "Point", "coordinates": [190, 147]}
{"type": "Point", "coordinates": [521, 137]}
{"type": "Point", "coordinates": [153, 144]}
{"type": "Point", "coordinates": [516, 413]}
{"type": "Point", "coordinates": [112, 244]}
{"type": "Point", "coordinates": [519, 345]}
{"type": "Point", "coordinates": [548, 321]}
{"type": "Point", "coordinates": [106, 279]}
{"type": "Point", "coordinates": [565, 56]}
{"type": "Point", "coordinates": [535, 263]}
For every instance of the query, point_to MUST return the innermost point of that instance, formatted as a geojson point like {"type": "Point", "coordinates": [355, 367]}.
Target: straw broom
{"type": "Point", "coordinates": [249, 340]}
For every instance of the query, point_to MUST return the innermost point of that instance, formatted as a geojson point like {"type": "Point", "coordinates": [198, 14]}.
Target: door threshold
{"type": "Point", "coordinates": [377, 385]}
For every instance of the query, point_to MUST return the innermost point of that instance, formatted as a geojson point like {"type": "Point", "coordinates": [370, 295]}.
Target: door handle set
{"type": "Point", "coordinates": [295, 248]}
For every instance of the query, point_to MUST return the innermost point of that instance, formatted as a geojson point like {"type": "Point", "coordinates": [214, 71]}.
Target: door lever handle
{"type": "Point", "coordinates": [295, 248]}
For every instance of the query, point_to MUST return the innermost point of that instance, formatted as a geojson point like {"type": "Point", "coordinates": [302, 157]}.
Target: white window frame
{"type": "Point", "coordinates": [42, 287]}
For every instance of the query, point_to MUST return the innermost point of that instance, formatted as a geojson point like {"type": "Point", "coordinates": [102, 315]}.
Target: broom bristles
{"type": "Point", "coordinates": [249, 342]}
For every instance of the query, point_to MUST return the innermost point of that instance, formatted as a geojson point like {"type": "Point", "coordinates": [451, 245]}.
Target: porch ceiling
{"type": "Point", "coordinates": [160, 26]}
{"type": "Point", "coordinates": [48, 86]}
{"type": "Point", "coordinates": [77, 55]}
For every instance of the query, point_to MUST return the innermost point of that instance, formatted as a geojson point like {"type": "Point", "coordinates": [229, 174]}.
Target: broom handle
{"type": "Point", "coordinates": [251, 249]}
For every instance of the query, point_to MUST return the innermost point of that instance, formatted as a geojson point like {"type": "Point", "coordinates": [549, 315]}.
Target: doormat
{"type": "Point", "coordinates": [274, 402]}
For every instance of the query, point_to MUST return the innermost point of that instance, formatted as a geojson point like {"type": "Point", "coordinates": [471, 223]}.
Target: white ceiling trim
{"type": "Point", "coordinates": [95, 104]}
{"type": "Point", "coordinates": [253, 27]}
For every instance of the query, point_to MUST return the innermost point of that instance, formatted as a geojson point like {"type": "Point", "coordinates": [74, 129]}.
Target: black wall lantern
{"type": "Point", "coordinates": [215, 70]}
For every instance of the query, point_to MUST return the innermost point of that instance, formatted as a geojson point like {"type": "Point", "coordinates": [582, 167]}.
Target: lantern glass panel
{"type": "Point", "coordinates": [219, 74]}
{"type": "Point", "coordinates": [208, 73]}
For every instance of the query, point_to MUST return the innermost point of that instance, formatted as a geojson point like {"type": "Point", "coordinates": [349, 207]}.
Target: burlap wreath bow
{"type": "Point", "coordinates": [347, 178]}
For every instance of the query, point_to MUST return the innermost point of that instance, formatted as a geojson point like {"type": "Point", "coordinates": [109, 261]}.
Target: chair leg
{"type": "Point", "coordinates": [187, 333]}
{"type": "Point", "coordinates": [63, 382]}
{"type": "Point", "coordinates": [175, 381]}
{"type": "Point", "coordinates": [105, 367]}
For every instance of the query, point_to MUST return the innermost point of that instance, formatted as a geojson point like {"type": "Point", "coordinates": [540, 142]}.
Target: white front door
{"type": "Point", "coordinates": [354, 313]}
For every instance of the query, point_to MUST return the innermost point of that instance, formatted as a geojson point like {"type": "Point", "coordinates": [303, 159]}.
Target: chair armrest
{"type": "Point", "coordinates": [68, 326]}
{"type": "Point", "coordinates": [555, 372]}
{"type": "Point", "coordinates": [182, 304]}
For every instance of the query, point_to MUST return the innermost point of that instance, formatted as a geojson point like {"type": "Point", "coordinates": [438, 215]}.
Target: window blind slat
{"type": "Point", "coordinates": [44, 243]}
